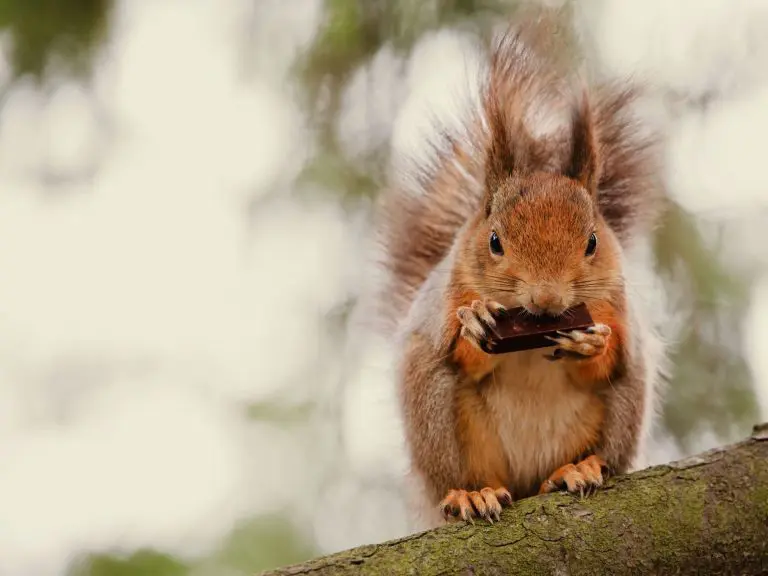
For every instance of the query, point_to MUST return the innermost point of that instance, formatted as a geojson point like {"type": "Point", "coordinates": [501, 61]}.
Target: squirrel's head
{"type": "Point", "coordinates": [541, 241]}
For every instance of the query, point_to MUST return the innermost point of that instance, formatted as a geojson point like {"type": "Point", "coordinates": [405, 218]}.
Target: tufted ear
{"type": "Point", "coordinates": [584, 163]}
{"type": "Point", "coordinates": [510, 147]}
{"type": "Point", "coordinates": [506, 154]}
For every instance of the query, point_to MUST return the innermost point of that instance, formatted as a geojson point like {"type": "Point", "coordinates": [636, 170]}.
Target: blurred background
{"type": "Point", "coordinates": [185, 199]}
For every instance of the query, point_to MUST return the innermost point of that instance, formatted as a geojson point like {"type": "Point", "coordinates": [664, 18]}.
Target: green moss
{"type": "Point", "coordinates": [687, 518]}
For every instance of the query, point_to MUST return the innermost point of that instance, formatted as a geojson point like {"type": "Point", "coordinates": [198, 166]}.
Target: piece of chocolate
{"type": "Point", "coordinates": [520, 330]}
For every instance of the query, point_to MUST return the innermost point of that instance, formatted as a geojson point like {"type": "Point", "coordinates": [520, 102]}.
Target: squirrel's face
{"type": "Point", "coordinates": [544, 246]}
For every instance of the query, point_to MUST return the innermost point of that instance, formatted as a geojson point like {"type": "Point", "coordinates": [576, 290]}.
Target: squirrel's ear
{"type": "Point", "coordinates": [584, 161]}
{"type": "Point", "coordinates": [505, 155]}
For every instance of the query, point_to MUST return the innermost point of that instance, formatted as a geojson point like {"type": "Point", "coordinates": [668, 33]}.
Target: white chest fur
{"type": "Point", "coordinates": [540, 415]}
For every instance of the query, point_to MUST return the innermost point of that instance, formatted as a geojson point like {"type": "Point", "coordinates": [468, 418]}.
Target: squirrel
{"type": "Point", "coordinates": [505, 217]}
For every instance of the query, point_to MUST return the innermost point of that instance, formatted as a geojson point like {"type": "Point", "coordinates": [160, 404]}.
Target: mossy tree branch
{"type": "Point", "coordinates": [707, 514]}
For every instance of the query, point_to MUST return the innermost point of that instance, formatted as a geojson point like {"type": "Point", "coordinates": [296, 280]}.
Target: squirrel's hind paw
{"type": "Point", "coordinates": [478, 322]}
{"type": "Point", "coordinates": [487, 504]}
{"type": "Point", "coordinates": [583, 478]}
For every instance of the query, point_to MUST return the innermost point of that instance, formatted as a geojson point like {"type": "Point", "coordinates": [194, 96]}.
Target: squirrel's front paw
{"type": "Point", "coordinates": [580, 344]}
{"type": "Point", "coordinates": [478, 322]}
{"type": "Point", "coordinates": [486, 503]}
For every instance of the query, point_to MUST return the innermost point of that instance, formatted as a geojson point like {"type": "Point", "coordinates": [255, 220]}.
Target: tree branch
{"type": "Point", "coordinates": [707, 514]}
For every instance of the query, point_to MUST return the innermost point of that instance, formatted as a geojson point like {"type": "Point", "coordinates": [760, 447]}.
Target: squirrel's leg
{"type": "Point", "coordinates": [482, 491]}
{"type": "Point", "coordinates": [452, 445]}
{"type": "Point", "coordinates": [428, 397]}
{"type": "Point", "coordinates": [624, 405]}
{"type": "Point", "coordinates": [442, 418]}
{"type": "Point", "coordinates": [624, 396]}
{"type": "Point", "coordinates": [597, 358]}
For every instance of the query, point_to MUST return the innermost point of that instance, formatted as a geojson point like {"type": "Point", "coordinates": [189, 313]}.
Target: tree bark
{"type": "Point", "coordinates": [707, 514]}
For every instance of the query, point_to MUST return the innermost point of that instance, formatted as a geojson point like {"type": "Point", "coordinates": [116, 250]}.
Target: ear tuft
{"type": "Point", "coordinates": [505, 155]}
{"type": "Point", "coordinates": [584, 164]}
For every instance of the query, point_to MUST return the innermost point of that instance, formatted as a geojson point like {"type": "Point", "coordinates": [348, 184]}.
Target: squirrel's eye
{"type": "Point", "coordinates": [495, 244]}
{"type": "Point", "coordinates": [591, 244]}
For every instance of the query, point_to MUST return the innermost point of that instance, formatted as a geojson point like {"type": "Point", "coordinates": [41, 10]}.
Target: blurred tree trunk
{"type": "Point", "coordinates": [707, 514]}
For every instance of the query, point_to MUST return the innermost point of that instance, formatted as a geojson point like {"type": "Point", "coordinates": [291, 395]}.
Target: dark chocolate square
{"type": "Point", "coordinates": [520, 330]}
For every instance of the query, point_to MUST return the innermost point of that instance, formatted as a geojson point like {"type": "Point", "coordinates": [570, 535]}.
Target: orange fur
{"type": "Point", "coordinates": [517, 217]}
{"type": "Point", "coordinates": [543, 419]}
{"type": "Point", "coordinates": [584, 474]}
{"type": "Point", "coordinates": [484, 467]}
{"type": "Point", "coordinates": [584, 434]}
{"type": "Point", "coordinates": [598, 369]}
{"type": "Point", "coordinates": [486, 503]}
{"type": "Point", "coordinates": [474, 362]}
{"type": "Point", "coordinates": [484, 461]}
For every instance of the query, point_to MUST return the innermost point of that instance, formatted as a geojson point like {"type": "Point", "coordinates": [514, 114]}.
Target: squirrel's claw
{"type": "Point", "coordinates": [468, 505]}
{"type": "Point", "coordinates": [581, 344]}
{"type": "Point", "coordinates": [603, 329]}
{"type": "Point", "coordinates": [583, 478]}
{"type": "Point", "coordinates": [478, 322]}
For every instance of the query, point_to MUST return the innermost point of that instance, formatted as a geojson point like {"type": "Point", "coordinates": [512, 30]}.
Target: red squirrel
{"type": "Point", "coordinates": [504, 218]}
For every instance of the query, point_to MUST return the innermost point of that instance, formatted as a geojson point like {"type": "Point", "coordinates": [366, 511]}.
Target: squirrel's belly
{"type": "Point", "coordinates": [543, 420]}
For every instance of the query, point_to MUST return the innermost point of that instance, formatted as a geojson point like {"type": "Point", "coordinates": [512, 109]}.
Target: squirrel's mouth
{"type": "Point", "coordinates": [554, 311]}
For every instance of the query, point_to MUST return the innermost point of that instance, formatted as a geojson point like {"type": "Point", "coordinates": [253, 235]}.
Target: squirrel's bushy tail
{"type": "Point", "coordinates": [526, 112]}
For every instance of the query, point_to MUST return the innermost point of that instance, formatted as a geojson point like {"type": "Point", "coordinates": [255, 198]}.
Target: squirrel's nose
{"type": "Point", "coordinates": [546, 300]}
